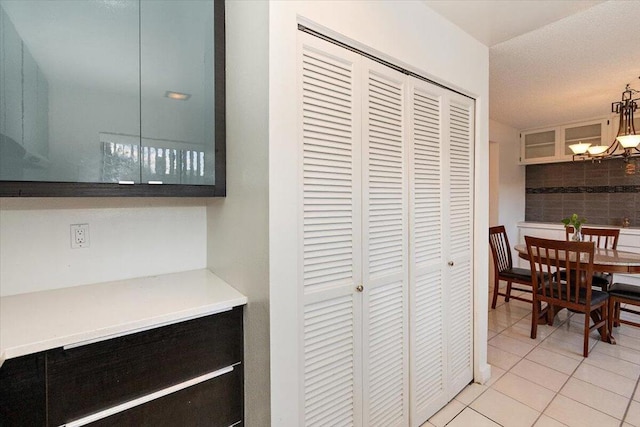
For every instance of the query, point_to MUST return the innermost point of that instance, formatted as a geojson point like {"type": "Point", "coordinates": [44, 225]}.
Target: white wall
{"type": "Point", "coordinates": [407, 33]}
{"type": "Point", "coordinates": [511, 179]}
{"type": "Point", "coordinates": [494, 184]}
{"type": "Point", "coordinates": [128, 238]}
{"type": "Point", "coordinates": [237, 233]}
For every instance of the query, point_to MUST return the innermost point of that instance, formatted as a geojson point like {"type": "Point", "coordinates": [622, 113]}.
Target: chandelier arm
{"type": "Point", "coordinates": [612, 148]}
{"type": "Point", "coordinates": [626, 127]}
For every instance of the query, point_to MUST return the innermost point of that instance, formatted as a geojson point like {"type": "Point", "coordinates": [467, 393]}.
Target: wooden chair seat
{"type": "Point", "coordinates": [548, 258]}
{"type": "Point", "coordinates": [624, 290]}
{"type": "Point", "coordinates": [597, 297]}
{"type": "Point", "coordinates": [517, 274]}
{"type": "Point", "coordinates": [503, 267]}
{"type": "Point", "coordinates": [622, 293]}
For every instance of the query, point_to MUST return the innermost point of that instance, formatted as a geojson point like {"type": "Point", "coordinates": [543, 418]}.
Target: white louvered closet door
{"type": "Point", "coordinates": [385, 248]}
{"type": "Point", "coordinates": [386, 202]}
{"type": "Point", "coordinates": [331, 228]}
{"type": "Point", "coordinates": [427, 257]}
{"type": "Point", "coordinates": [441, 218]}
{"type": "Point", "coordinates": [460, 120]}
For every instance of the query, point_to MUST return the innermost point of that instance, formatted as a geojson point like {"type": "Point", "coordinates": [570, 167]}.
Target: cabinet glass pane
{"type": "Point", "coordinates": [540, 144]}
{"type": "Point", "coordinates": [70, 91]}
{"type": "Point", "coordinates": [177, 111]}
{"type": "Point", "coordinates": [588, 134]}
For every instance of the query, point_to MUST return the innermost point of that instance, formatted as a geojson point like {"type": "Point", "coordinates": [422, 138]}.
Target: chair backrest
{"type": "Point", "coordinates": [500, 249]}
{"type": "Point", "coordinates": [605, 238]}
{"type": "Point", "coordinates": [549, 258]}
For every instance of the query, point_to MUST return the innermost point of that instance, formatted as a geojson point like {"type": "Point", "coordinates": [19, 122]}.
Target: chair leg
{"type": "Point", "coordinates": [506, 298]}
{"type": "Point", "coordinates": [606, 314]}
{"type": "Point", "coordinates": [610, 313]}
{"type": "Point", "coordinates": [551, 314]}
{"type": "Point", "coordinates": [585, 349]}
{"type": "Point", "coordinates": [534, 318]}
{"type": "Point", "coordinates": [496, 287]}
{"type": "Point", "coordinates": [616, 314]}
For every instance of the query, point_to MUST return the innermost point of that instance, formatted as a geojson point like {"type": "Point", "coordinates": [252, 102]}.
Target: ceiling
{"type": "Point", "coordinates": [552, 62]}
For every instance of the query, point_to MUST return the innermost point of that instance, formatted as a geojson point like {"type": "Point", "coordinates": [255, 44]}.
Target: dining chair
{"type": "Point", "coordinates": [622, 293]}
{"type": "Point", "coordinates": [548, 258]}
{"type": "Point", "coordinates": [503, 267]}
{"type": "Point", "coordinates": [605, 238]}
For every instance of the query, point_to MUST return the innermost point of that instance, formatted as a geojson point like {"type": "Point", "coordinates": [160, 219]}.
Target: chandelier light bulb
{"type": "Point", "coordinates": [629, 141]}
{"type": "Point", "coordinates": [579, 148]}
{"type": "Point", "coordinates": [597, 149]}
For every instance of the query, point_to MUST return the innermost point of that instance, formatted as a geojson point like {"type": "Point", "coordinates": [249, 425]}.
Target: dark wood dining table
{"type": "Point", "coordinates": [606, 261]}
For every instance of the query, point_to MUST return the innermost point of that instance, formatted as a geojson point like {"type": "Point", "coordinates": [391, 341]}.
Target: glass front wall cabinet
{"type": "Point", "coordinates": [538, 145]}
{"type": "Point", "coordinates": [594, 133]}
{"type": "Point", "coordinates": [112, 98]}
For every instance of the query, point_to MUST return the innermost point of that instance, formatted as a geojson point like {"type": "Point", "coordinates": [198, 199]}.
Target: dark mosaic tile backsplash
{"type": "Point", "coordinates": [601, 192]}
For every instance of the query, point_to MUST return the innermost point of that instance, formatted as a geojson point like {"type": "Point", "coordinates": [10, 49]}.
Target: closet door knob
{"type": "Point", "coordinates": [450, 263]}
{"type": "Point", "coordinates": [359, 288]}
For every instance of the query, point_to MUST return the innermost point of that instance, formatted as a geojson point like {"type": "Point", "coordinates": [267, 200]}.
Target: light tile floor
{"type": "Point", "coordinates": [546, 382]}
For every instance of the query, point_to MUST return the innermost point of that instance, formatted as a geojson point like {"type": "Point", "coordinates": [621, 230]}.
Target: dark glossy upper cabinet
{"type": "Point", "coordinates": [112, 98]}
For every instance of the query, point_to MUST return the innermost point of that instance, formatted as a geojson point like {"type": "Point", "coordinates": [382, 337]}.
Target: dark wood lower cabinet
{"type": "Point", "coordinates": [63, 385]}
{"type": "Point", "coordinates": [22, 391]}
{"type": "Point", "coordinates": [86, 379]}
{"type": "Point", "coordinates": [193, 406]}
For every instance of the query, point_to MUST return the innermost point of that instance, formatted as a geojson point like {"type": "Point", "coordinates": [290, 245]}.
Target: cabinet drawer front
{"type": "Point", "coordinates": [213, 403]}
{"type": "Point", "coordinates": [22, 391]}
{"type": "Point", "coordinates": [90, 378]}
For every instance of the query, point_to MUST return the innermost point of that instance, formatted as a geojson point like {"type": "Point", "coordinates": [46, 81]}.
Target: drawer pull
{"type": "Point", "coordinates": [147, 398]}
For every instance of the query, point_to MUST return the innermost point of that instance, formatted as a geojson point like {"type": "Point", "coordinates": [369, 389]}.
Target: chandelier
{"type": "Point", "coordinates": [626, 144]}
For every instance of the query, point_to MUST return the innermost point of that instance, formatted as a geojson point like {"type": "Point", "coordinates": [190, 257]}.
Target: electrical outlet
{"type": "Point", "coordinates": [79, 236]}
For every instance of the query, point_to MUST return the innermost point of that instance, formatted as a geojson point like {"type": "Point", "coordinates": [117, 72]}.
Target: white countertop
{"type": "Point", "coordinates": [44, 320]}
{"type": "Point", "coordinates": [558, 225]}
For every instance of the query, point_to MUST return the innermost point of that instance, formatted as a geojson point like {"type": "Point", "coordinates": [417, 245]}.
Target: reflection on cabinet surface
{"type": "Point", "coordinates": [128, 96]}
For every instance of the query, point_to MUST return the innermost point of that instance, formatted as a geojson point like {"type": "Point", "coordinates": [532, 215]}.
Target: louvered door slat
{"type": "Point", "coordinates": [429, 351]}
{"type": "Point", "coordinates": [461, 342]}
{"type": "Point", "coordinates": [460, 346]}
{"type": "Point", "coordinates": [385, 248]}
{"type": "Point", "coordinates": [330, 218]}
{"type": "Point", "coordinates": [385, 356]}
{"type": "Point", "coordinates": [428, 334]}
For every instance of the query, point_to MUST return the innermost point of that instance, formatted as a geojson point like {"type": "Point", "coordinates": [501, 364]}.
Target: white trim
{"type": "Point", "coordinates": [484, 374]}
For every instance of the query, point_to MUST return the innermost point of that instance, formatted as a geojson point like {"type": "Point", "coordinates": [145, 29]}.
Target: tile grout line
{"type": "Point", "coordinates": [556, 393]}
{"type": "Point", "coordinates": [626, 411]}
{"type": "Point", "coordinates": [567, 320]}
